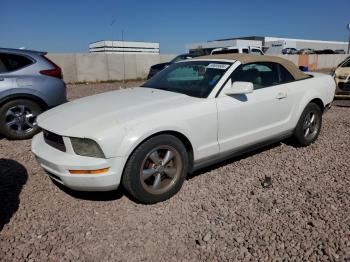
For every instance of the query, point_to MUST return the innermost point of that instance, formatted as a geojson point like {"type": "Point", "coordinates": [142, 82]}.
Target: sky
{"type": "Point", "coordinates": [67, 26]}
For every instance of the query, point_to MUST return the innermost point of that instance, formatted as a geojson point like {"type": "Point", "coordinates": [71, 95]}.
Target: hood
{"type": "Point", "coordinates": [342, 71]}
{"type": "Point", "coordinates": [87, 117]}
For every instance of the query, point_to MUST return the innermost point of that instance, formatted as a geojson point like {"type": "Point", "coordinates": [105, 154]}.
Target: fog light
{"type": "Point", "coordinates": [89, 172]}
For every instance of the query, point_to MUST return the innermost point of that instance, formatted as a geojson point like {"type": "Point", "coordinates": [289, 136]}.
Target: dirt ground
{"type": "Point", "coordinates": [221, 213]}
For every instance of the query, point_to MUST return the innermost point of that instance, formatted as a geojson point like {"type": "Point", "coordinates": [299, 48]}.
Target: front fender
{"type": "Point", "coordinates": [137, 135]}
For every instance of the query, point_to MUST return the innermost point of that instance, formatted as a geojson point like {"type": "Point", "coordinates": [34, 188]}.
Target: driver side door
{"type": "Point", "coordinates": [248, 119]}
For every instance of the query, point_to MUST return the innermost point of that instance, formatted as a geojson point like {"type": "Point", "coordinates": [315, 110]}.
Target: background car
{"type": "Point", "coordinates": [339, 51]}
{"type": "Point", "coordinates": [306, 51]}
{"type": "Point", "coordinates": [29, 84]}
{"type": "Point", "coordinates": [237, 50]}
{"type": "Point", "coordinates": [289, 51]}
{"type": "Point", "coordinates": [328, 52]}
{"type": "Point", "coordinates": [325, 52]}
{"type": "Point", "coordinates": [159, 67]}
{"type": "Point", "coordinates": [342, 78]}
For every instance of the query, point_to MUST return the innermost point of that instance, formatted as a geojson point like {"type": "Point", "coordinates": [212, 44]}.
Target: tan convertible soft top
{"type": "Point", "coordinates": [247, 59]}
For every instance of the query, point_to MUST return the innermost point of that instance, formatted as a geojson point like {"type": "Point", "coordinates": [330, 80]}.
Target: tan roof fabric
{"type": "Point", "coordinates": [247, 59]}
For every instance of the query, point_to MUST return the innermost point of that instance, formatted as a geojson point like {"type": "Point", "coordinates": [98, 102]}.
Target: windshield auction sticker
{"type": "Point", "coordinates": [218, 66]}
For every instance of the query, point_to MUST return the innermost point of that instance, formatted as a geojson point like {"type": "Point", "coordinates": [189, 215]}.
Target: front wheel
{"type": "Point", "coordinates": [156, 170]}
{"type": "Point", "coordinates": [309, 125]}
{"type": "Point", "coordinates": [18, 119]}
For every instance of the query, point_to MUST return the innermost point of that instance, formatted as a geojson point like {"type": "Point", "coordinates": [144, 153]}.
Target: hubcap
{"type": "Point", "coordinates": [311, 125]}
{"type": "Point", "coordinates": [160, 169]}
{"type": "Point", "coordinates": [20, 119]}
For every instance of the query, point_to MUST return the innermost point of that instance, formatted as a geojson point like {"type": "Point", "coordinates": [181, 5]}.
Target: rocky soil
{"type": "Point", "coordinates": [225, 212]}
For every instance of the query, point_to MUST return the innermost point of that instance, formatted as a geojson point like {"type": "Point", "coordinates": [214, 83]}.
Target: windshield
{"type": "Point", "coordinates": [347, 63]}
{"type": "Point", "coordinates": [226, 51]}
{"type": "Point", "coordinates": [193, 78]}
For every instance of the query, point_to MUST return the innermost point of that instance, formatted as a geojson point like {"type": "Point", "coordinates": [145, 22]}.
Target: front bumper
{"type": "Point", "coordinates": [57, 165]}
{"type": "Point", "coordinates": [343, 88]}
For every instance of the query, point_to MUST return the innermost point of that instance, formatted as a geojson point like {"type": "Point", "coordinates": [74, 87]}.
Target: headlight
{"type": "Point", "coordinates": [343, 77]}
{"type": "Point", "coordinates": [86, 147]}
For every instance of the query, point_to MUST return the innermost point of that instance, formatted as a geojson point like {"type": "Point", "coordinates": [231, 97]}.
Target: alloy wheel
{"type": "Point", "coordinates": [20, 119]}
{"type": "Point", "coordinates": [311, 125]}
{"type": "Point", "coordinates": [160, 170]}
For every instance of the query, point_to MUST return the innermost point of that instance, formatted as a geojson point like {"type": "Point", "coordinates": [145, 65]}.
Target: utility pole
{"type": "Point", "coordinates": [123, 50]}
{"type": "Point", "coordinates": [123, 59]}
{"type": "Point", "coordinates": [348, 27]}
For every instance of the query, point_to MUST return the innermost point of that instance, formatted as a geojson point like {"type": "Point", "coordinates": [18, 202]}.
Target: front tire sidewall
{"type": "Point", "coordinates": [299, 132]}
{"type": "Point", "coordinates": [11, 134]}
{"type": "Point", "coordinates": [131, 177]}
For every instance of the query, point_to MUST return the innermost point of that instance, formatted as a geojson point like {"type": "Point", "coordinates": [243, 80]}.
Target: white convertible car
{"type": "Point", "coordinates": [192, 114]}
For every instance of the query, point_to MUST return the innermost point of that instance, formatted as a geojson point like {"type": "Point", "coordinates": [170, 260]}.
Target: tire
{"type": "Point", "coordinates": [18, 119]}
{"type": "Point", "coordinates": [156, 170]}
{"type": "Point", "coordinates": [309, 125]}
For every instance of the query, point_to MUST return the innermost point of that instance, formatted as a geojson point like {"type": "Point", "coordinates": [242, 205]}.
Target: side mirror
{"type": "Point", "coordinates": [239, 88]}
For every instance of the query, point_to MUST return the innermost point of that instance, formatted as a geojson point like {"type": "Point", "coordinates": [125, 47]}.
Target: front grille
{"type": "Point", "coordinates": [344, 86]}
{"type": "Point", "coordinates": [54, 140]}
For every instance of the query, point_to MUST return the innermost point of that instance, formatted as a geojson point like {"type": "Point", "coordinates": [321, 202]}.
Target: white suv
{"type": "Point", "coordinates": [237, 50]}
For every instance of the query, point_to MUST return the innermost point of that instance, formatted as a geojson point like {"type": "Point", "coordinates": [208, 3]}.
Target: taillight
{"type": "Point", "coordinates": [55, 72]}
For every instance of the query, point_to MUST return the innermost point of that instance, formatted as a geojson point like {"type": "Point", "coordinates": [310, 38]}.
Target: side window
{"type": "Point", "coordinates": [255, 51]}
{"type": "Point", "coordinates": [232, 51]}
{"type": "Point", "coordinates": [261, 74]}
{"type": "Point", "coordinates": [3, 68]}
{"type": "Point", "coordinates": [14, 62]}
{"type": "Point", "coordinates": [285, 76]}
{"type": "Point", "coordinates": [245, 51]}
{"type": "Point", "coordinates": [346, 64]}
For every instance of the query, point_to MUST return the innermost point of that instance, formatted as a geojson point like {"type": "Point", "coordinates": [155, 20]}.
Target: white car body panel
{"type": "Point", "coordinates": [260, 115]}
{"type": "Point", "coordinates": [121, 120]}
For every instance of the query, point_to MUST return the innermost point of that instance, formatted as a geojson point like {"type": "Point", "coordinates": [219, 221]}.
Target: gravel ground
{"type": "Point", "coordinates": [221, 213]}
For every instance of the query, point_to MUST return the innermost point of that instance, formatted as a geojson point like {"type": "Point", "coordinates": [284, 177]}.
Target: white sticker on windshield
{"type": "Point", "coordinates": [218, 66]}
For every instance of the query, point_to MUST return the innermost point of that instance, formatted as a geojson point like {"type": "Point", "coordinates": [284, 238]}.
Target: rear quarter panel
{"type": "Point", "coordinates": [319, 86]}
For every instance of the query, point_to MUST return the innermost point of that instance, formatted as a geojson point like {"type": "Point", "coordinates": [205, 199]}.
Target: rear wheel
{"type": "Point", "coordinates": [309, 125]}
{"type": "Point", "coordinates": [18, 119]}
{"type": "Point", "coordinates": [156, 170]}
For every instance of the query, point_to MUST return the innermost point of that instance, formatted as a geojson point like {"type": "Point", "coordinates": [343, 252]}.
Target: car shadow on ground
{"type": "Point", "coordinates": [93, 196]}
{"type": "Point", "coordinates": [237, 158]}
{"type": "Point", "coordinates": [13, 176]}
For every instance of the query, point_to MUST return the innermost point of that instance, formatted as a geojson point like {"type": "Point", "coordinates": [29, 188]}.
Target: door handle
{"type": "Point", "coordinates": [281, 95]}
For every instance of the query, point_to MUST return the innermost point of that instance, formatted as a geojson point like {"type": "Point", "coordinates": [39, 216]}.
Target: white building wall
{"type": "Point", "coordinates": [124, 47]}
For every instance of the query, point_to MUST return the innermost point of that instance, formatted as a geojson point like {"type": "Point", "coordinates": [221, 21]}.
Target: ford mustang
{"type": "Point", "coordinates": [192, 114]}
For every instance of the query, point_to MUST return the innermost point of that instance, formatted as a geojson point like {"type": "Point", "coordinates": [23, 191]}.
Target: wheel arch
{"type": "Point", "coordinates": [183, 138]}
{"type": "Point", "coordinates": [318, 102]}
{"type": "Point", "coordinates": [30, 97]}
{"type": "Point", "coordinates": [306, 100]}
